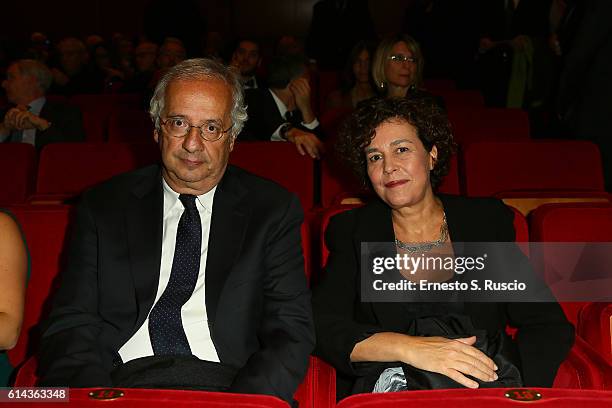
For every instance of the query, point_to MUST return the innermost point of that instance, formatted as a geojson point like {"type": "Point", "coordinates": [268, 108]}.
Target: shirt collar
{"type": "Point", "coordinates": [37, 104]}
{"type": "Point", "coordinates": [282, 108]}
{"type": "Point", "coordinates": [171, 199]}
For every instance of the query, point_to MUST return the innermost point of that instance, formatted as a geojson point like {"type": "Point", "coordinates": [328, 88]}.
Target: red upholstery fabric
{"type": "Point", "coordinates": [97, 109]}
{"type": "Point", "coordinates": [440, 85]}
{"type": "Point", "coordinates": [130, 125]}
{"type": "Point", "coordinates": [17, 172]}
{"type": "Point", "coordinates": [318, 390]}
{"type": "Point", "coordinates": [465, 398]}
{"type": "Point", "coordinates": [456, 99]}
{"type": "Point", "coordinates": [69, 168]}
{"type": "Point", "coordinates": [482, 124]}
{"type": "Point", "coordinates": [328, 81]}
{"type": "Point", "coordinates": [595, 327]}
{"type": "Point", "coordinates": [587, 222]}
{"type": "Point", "coordinates": [331, 120]}
{"type": "Point", "coordinates": [495, 167]}
{"type": "Point", "coordinates": [145, 398]}
{"type": "Point", "coordinates": [95, 124]}
{"type": "Point", "coordinates": [44, 228]}
{"type": "Point", "coordinates": [279, 162]}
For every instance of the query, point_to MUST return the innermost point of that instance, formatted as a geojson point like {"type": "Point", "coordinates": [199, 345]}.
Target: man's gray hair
{"type": "Point", "coordinates": [38, 70]}
{"type": "Point", "coordinates": [198, 69]}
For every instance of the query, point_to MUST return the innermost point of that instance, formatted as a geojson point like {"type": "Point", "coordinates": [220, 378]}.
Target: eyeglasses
{"type": "Point", "coordinates": [210, 131]}
{"type": "Point", "coordinates": [402, 58]}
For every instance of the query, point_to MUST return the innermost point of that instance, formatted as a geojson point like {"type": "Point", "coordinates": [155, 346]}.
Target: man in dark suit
{"type": "Point", "coordinates": [283, 112]}
{"type": "Point", "coordinates": [190, 275]}
{"type": "Point", "coordinates": [34, 119]}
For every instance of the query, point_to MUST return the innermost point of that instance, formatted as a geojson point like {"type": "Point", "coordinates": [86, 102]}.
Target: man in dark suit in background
{"type": "Point", "coordinates": [246, 58]}
{"type": "Point", "coordinates": [336, 26]}
{"type": "Point", "coordinates": [190, 275]}
{"type": "Point", "coordinates": [34, 119]}
{"type": "Point", "coordinates": [283, 112]}
{"type": "Point", "coordinates": [585, 86]}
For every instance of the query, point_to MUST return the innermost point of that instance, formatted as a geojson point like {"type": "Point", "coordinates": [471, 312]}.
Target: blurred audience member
{"type": "Point", "coordinates": [289, 45]}
{"type": "Point", "coordinates": [398, 64]}
{"type": "Point", "coordinates": [215, 45]}
{"type": "Point", "coordinates": [39, 48]}
{"type": "Point", "coordinates": [34, 119]}
{"type": "Point", "coordinates": [105, 66]}
{"type": "Point", "coordinates": [246, 58]}
{"type": "Point", "coordinates": [283, 111]}
{"type": "Point", "coordinates": [335, 27]}
{"type": "Point", "coordinates": [585, 87]}
{"type": "Point", "coordinates": [356, 82]}
{"type": "Point", "coordinates": [171, 52]}
{"type": "Point", "coordinates": [122, 51]}
{"type": "Point", "coordinates": [13, 275]}
{"type": "Point", "coordinates": [145, 56]}
{"type": "Point", "coordinates": [508, 27]}
{"type": "Point", "coordinates": [73, 76]}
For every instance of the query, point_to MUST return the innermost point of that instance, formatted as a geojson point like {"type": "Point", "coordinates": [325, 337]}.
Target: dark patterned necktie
{"type": "Point", "coordinates": [165, 324]}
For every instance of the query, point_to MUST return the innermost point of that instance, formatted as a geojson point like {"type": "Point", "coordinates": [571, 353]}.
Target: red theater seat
{"type": "Point", "coordinates": [497, 168]}
{"type": "Point", "coordinates": [486, 124]}
{"type": "Point", "coordinates": [492, 397]}
{"type": "Point", "coordinates": [17, 172]}
{"type": "Point", "coordinates": [328, 81]}
{"type": "Point", "coordinates": [460, 99]}
{"type": "Point", "coordinates": [66, 169]}
{"type": "Point", "coordinates": [586, 222]}
{"type": "Point", "coordinates": [130, 125]}
{"type": "Point", "coordinates": [279, 162]}
{"type": "Point", "coordinates": [45, 230]}
{"type": "Point", "coordinates": [145, 398]}
{"type": "Point", "coordinates": [440, 85]}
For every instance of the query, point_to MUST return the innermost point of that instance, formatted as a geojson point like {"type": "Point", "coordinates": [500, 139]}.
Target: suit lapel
{"type": "Point", "coordinates": [375, 225]}
{"type": "Point", "coordinates": [144, 218]}
{"type": "Point", "coordinates": [227, 229]}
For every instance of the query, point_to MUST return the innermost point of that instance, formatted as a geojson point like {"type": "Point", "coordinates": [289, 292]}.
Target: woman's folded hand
{"type": "Point", "coordinates": [452, 358]}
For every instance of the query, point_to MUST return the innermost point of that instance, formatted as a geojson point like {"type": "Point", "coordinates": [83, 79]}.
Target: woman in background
{"type": "Point", "coordinates": [356, 82]}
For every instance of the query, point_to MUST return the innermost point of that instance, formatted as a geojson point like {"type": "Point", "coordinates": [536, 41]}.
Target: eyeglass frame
{"type": "Point", "coordinates": [190, 126]}
{"type": "Point", "coordinates": [402, 58]}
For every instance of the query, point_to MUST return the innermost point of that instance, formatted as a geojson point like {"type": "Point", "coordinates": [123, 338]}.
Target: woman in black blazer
{"type": "Point", "coordinates": [401, 148]}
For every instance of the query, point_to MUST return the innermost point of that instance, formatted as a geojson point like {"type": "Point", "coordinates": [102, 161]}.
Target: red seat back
{"type": "Point", "coordinates": [130, 125]}
{"type": "Point", "coordinates": [17, 172]}
{"type": "Point", "coordinates": [70, 168]}
{"type": "Point", "coordinates": [579, 222]}
{"type": "Point", "coordinates": [279, 162]}
{"type": "Point", "coordinates": [490, 168]}
{"type": "Point", "coordinates": [485, 124]}
{"type": "Point", "coordinates": [45, 229]}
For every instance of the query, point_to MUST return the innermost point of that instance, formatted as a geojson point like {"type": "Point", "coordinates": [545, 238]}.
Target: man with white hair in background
{"type": "Point", "coordinates": [34, 119]}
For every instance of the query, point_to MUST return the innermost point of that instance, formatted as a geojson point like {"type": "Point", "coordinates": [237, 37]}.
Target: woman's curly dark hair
{"type": "Point", "coordinates": [429, 120]}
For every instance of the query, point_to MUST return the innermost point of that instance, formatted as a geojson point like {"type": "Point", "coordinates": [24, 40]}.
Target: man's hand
{"type": "Point", "coordinates": [305, 142]}
{"type": "Point", "coordinates": [20, 119]}
{"type": "Point", "coordinates": [453, 358]}
{"type": "Point", "coordinates": [300, 88]}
